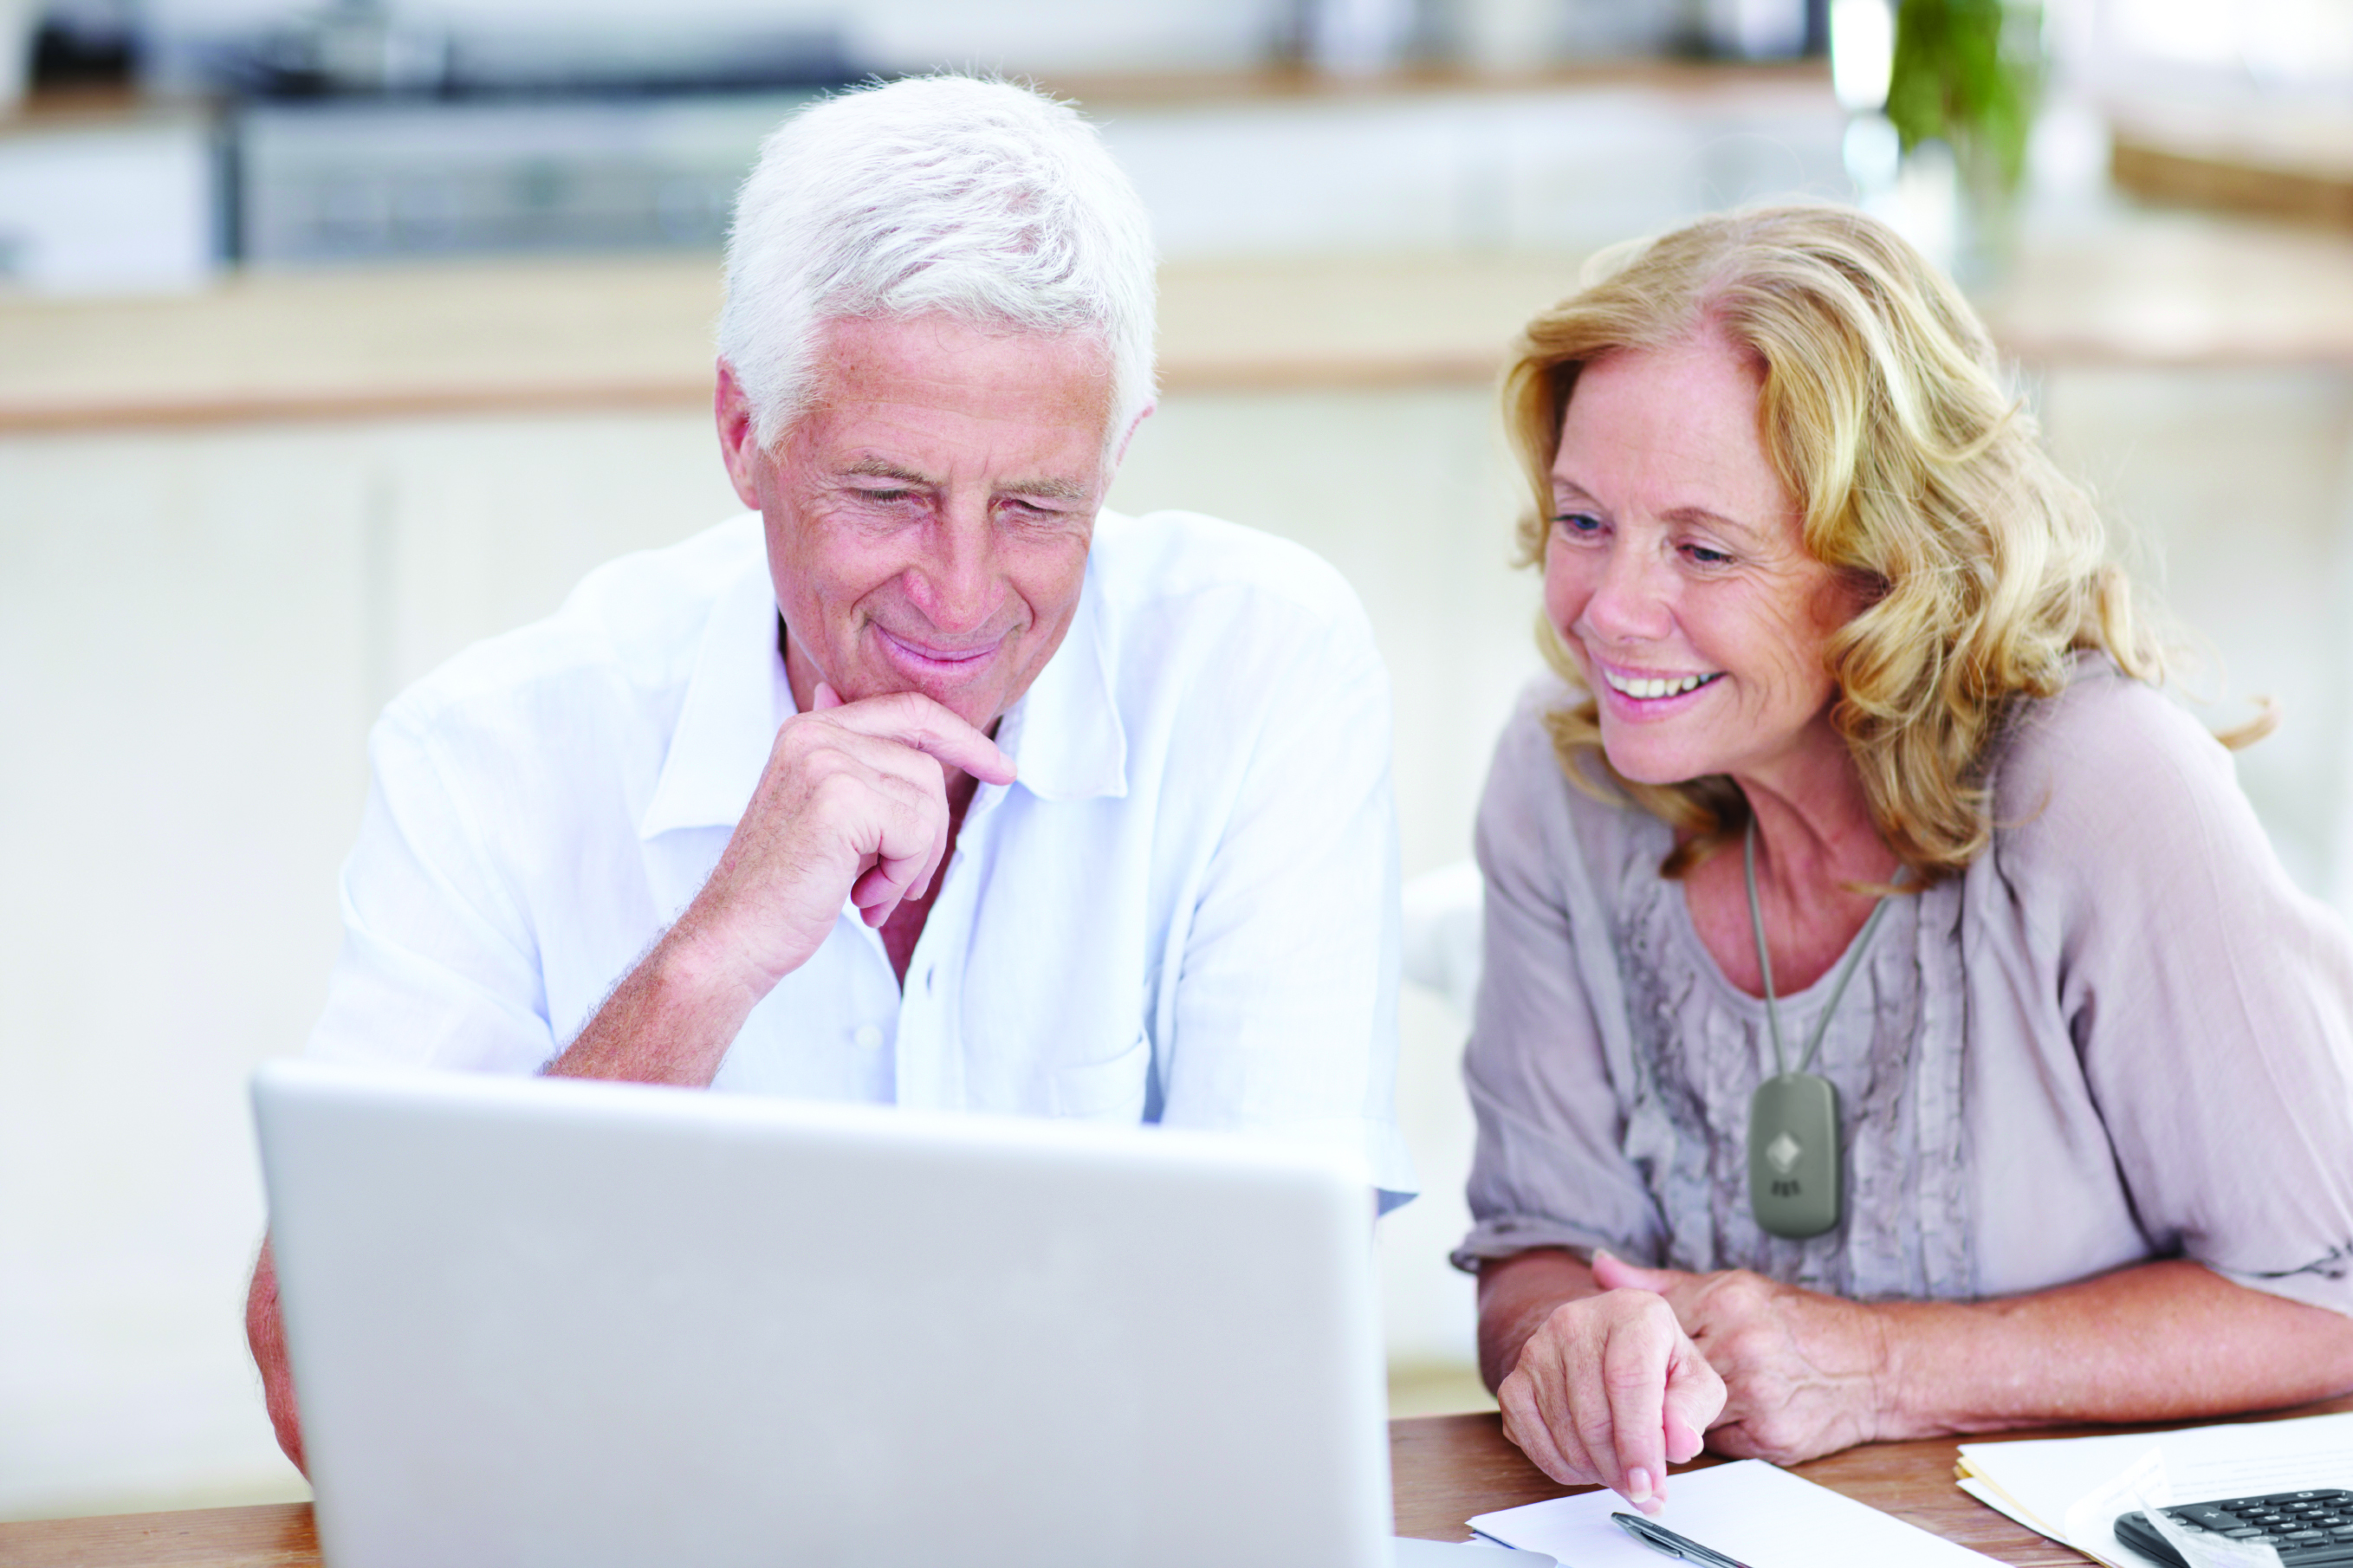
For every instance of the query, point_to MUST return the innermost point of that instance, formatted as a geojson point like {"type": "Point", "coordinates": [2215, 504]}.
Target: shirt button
{"type": "Point", "coordinates": [869, 1036]}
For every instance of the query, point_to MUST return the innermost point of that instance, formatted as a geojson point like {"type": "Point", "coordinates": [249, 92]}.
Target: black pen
{"type": "Point", "coordinates": [1659, 1538]}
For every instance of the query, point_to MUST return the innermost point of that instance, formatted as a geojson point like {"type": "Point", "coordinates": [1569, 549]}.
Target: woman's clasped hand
{"type": "Point", "coordinates": [1610, 1389]}
{"type": "Point", "coordinates": [1658, 1363]}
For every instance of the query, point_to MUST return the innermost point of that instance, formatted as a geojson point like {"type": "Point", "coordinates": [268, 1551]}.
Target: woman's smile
{"type": "Point", "coordinates": [1648, 689]}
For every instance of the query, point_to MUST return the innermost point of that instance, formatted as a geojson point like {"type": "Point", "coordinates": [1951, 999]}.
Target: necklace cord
{"type": "Point", "coordinates": [1763, 956]}
{"type": "Point", "coordinates": [1765, 959]}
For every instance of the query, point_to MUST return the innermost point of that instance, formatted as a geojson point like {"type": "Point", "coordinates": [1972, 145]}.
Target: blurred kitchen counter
{"type": "Point", "coordinates": [611, 334]}
{"type": "Point", "coordinates": [2151, 288]}
{"type": "Point", "coordinates": [2171, 288]}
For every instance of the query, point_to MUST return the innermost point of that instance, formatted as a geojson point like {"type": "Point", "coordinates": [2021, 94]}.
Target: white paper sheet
{"type": "Point", "coordinates": [2048, 1476]}
{"type": "Point", "coordinates": [1764, 1517]}
{"type": "Point", "coordinates": [2003, 1505]}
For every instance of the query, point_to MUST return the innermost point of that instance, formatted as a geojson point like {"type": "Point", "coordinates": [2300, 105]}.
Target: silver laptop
{"type": "Point", "coordinates": [553, 1323]}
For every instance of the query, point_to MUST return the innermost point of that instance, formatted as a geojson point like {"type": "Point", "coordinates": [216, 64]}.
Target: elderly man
{"type": "Point", "coordinates": [927, 784]}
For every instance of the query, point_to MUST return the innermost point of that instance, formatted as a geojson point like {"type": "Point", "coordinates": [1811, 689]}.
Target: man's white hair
{"type": "Point", "coordinates": [977, 199]}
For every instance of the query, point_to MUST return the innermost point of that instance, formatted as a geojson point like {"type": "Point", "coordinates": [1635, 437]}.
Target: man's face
{"type": "Point", "coordinates": [928, 518]}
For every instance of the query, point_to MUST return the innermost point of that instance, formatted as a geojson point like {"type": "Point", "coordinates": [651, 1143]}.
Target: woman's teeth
{"type": "Point", "coordinates": [1657, 685]}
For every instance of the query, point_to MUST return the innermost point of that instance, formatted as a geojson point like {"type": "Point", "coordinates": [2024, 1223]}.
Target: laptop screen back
{"type": "Point", "coordinates": [537, 1321]}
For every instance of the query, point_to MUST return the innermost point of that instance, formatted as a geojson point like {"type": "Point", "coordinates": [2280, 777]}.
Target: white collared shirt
{"type": "Point", "coordinates": [1184, 911]}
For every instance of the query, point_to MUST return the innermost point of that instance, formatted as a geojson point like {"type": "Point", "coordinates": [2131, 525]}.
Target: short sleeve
{"type": "Point", "coordinates": [2211, 1002]}
{"type": "Point", "coordinates": [438, 967]}
{"type": "Point", "coordinates": [1548, 1169]}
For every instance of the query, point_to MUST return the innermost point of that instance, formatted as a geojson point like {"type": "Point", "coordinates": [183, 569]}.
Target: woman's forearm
{"type": "Point", "coordinates": [1806, 1373]}
{"type": "Point", "coordinates": [1515, 1295]}
{"type": "Point", "coordinates": [2157, 1341]}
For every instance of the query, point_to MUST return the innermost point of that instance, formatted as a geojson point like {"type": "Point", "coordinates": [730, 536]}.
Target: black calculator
{"type": "Point", "coordinates": [2309, 1530]}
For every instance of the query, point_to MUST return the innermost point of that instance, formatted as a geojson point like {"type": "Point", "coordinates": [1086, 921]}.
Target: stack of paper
{"type": "Point", "coordinates": [1748, 1510]}
{"type": "Point", "coordinates": [2037, 1481]}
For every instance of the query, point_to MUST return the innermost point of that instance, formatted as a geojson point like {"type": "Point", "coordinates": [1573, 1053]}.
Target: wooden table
{"type": "Point", "coordinates": [1446, 1469]}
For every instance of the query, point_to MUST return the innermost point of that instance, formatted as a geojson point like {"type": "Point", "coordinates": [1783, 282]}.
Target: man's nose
{"type": "Point", "coordinates": [1635, 599]}
{"type": "Point", "coordinates": [956, 582]}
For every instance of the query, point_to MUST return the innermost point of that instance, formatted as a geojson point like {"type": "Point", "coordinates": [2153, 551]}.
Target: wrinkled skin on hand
{"type": "Point", "coordinates": [1613, 1386]}
{"type": "Point", "coordinates": [1803, 1373]}
{"type": "Point", "coordinates": [1610, 1389]}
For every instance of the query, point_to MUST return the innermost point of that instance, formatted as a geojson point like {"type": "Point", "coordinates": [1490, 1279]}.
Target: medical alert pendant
{"type": "Point", "coordinates": [1793, 1155]}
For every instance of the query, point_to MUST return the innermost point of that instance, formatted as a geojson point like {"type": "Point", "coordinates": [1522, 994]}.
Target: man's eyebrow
{"type": "Point", "coordinates": [1047, 490]}
{"type": "Point", "coordinates": [882, 468]}
{"type": "Point", "coordinates": [1042, 489]}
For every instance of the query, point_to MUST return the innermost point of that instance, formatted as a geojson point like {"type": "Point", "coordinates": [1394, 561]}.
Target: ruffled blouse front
{"type": "Point", "coordinates": [1893, 1051]}
{"type": "Point", "coordinates": [2121, 1035]}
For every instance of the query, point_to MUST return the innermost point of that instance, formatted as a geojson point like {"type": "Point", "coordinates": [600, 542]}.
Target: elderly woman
{"type": "Point", "coordinates": [1893, 1021]}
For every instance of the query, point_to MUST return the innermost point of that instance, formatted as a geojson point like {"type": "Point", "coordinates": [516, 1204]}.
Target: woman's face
{"type": "Point", "coordinates": [1674, 573]}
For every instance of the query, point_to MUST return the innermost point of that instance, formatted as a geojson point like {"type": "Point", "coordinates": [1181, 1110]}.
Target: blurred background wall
{"type": "Point", "coordinates": [335, 337]}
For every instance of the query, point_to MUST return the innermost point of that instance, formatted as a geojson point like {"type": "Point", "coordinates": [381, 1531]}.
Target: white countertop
{"type": "Point", "coordinates": [2155, 289]}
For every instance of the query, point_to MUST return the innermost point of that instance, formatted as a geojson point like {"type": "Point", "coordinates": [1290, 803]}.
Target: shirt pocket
{"type": "Point", "coordinates": [1112, 1089]}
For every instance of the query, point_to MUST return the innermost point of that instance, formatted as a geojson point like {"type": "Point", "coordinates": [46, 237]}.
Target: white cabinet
{"type": "Point", "coordinates": [196, 631]}
{"type": "Point", "coordinates": [108, 207]}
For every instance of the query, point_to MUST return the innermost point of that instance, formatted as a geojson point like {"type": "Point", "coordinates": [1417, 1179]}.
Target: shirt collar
{"type": "Point", "coordinates": [1064, 736]}
{"type": "Point", "coordinates": [736, 699]}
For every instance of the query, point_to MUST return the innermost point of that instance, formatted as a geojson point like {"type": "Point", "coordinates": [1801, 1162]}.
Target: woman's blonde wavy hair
{"type": "Point", "coordinates": [1914, 473]}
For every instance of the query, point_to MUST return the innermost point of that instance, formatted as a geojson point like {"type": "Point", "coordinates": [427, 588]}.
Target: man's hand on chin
{"type": "Point", "coordinates": [853, 805]}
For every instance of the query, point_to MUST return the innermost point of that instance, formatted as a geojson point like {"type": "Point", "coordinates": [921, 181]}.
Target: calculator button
{"type": "Point", "coordinates": [2244, 1532]}
{"type": "Point", "coordinates": [2305, 1536]}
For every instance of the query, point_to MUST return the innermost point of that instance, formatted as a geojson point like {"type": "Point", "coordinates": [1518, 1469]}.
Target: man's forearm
{"type": "Point", "coordinates": [2158, 1342]}
{"type": "Point", "coordinates": [670, 1020]}
{"type": "Point", "coordinates": [264, 1332]}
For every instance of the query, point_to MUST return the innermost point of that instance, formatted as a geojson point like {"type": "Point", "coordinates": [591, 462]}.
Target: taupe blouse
{"type": "Point", "coordinates": [2122, 1035]}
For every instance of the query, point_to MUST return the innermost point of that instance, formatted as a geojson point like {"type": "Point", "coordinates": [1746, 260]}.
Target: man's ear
{"type": "Point", "coordinates": [739, 436]}
{"type": "Point", "coordinates": [1119, 455]}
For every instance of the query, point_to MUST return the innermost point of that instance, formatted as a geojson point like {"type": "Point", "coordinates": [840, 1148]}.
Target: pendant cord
{"type": "Point", "coordinates": [1765, 959]}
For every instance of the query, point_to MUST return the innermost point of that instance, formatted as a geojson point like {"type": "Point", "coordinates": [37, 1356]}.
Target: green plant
{"type": "Point", "coordinates": [1968, 73]}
